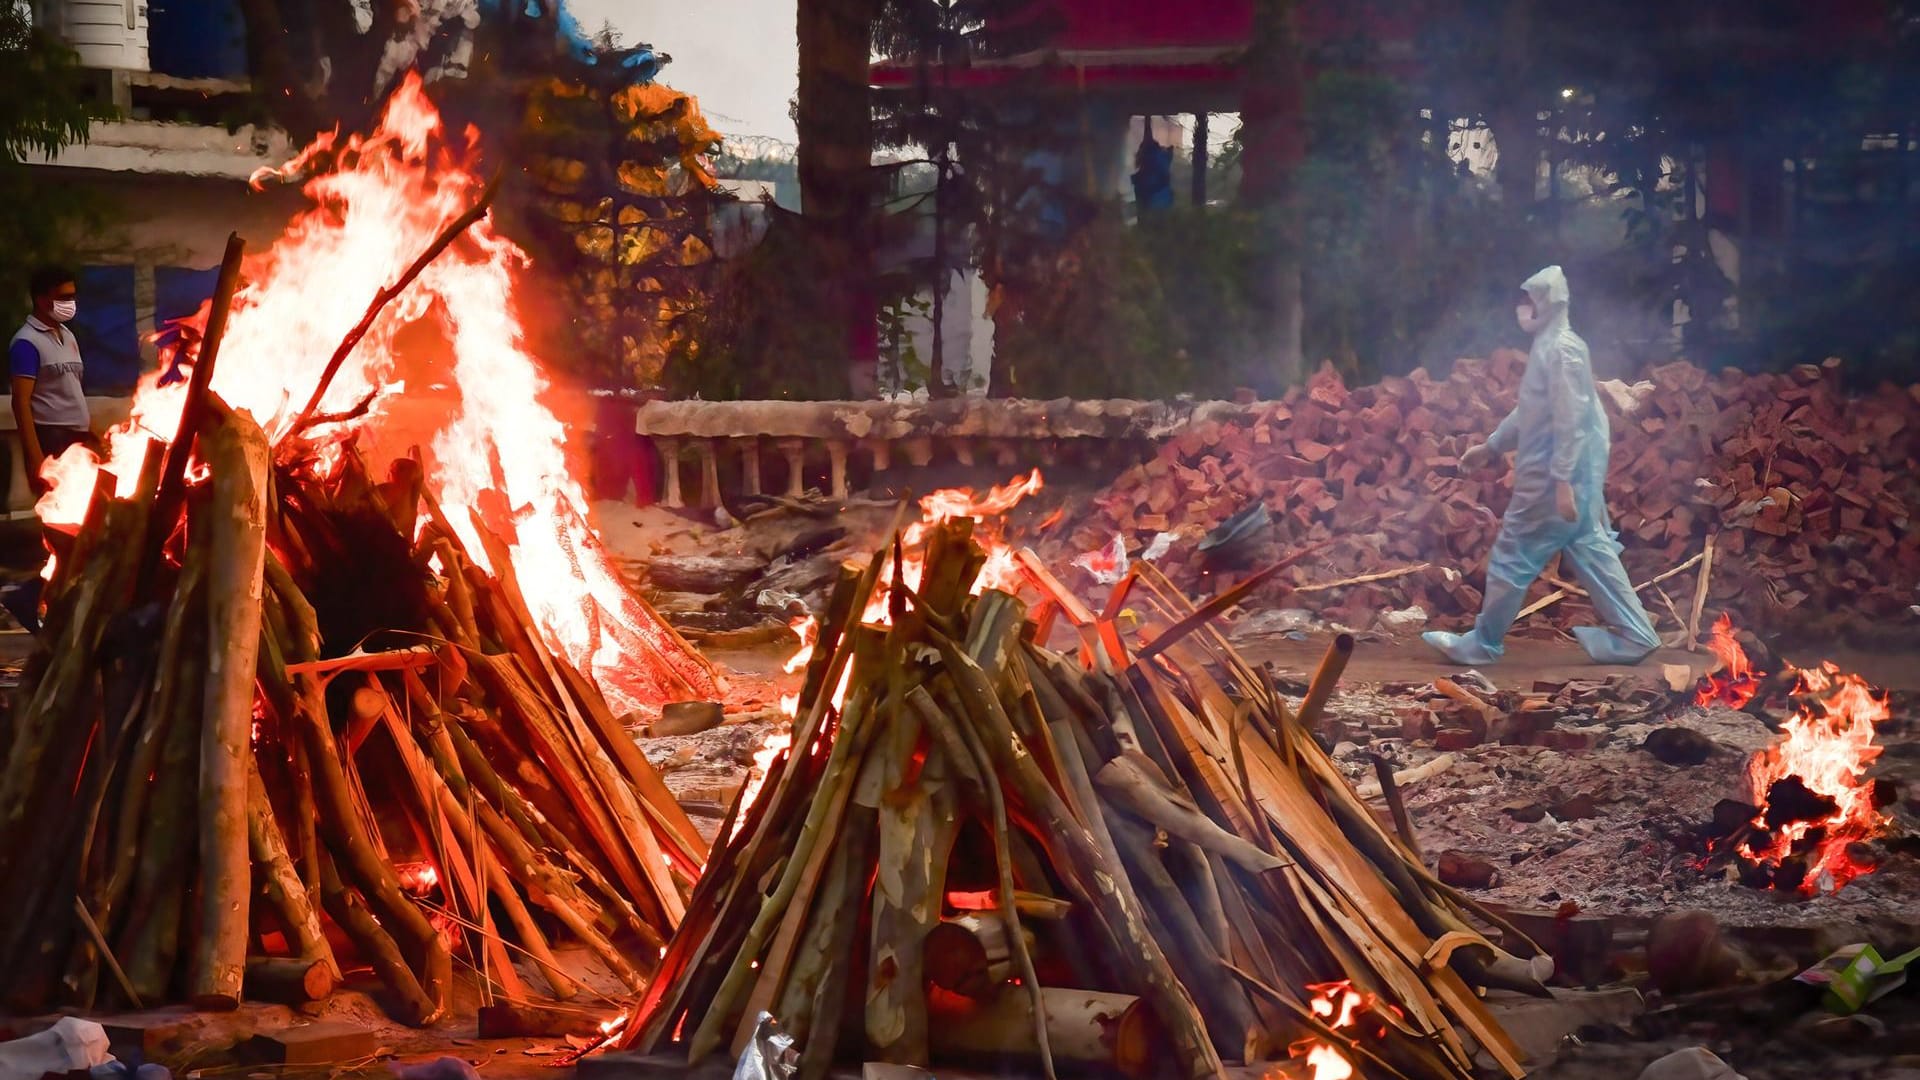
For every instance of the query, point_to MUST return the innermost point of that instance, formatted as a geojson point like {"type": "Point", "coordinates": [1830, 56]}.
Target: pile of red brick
{"type": "Point", "coordinates": [1806, 490]}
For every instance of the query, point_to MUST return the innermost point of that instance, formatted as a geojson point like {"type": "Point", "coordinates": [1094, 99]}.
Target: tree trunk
{"type": "Point", "coordinates": [1514, 116]}
{"type": "Point", "coordinates": [1273, 139]}
{"type": "Point", "coordinates": [835, 123]}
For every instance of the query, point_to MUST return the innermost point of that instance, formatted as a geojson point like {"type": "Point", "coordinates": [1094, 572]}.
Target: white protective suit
{"type": "Point", "coordinates": [1558, 433]}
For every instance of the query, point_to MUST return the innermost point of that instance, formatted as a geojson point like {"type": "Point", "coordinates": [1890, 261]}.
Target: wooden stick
{"type": "Point", "coordinates": [1402, 821]}
{"type": "Point", "coordinates": [385, 296]}
{"type": "Point", "coordinates": [1558, 595]}
{"type": "Point", "coordinates": [1383, 575]}
{"type": "Point", "coordinates": [1127, 784]}
{"type": "Point", "coordinates": [375, 946]}
{"type": "Point", "coordinates": [1213, 608]}
{"type": "Point", "coordinates": [1325, 678]}
{"type": "Point", "coordinates": [173, 472]}
{"type": "Point", "coordinates": [1407, 776]}
{"type": "Point", "coordinates": [106, 953]}
{"type": "Point", "coordinates": [1009, 910]}
{"type": "Point", "coordinates": [236, 450]}
{"type": "Point", "coordinates": [279, 882]}
{"type": "Point", "coordinates": [1700, 594]}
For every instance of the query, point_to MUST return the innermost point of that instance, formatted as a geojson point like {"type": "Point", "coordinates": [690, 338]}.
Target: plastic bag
{"type": "Point", "coordinates": [70, 1045]}
{"type": "Point", "coordinates": [769, 1054]}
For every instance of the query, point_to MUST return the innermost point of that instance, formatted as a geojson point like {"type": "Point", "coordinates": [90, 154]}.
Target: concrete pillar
{"type": "Point", "coordinates": [795, 452]}
{"type": "Point", "coordinates": [962, 451]}
{"type": "Point", "coordinates": [882, 454]}
{"type": "Point", "coordinates": [709, 472]}
{"type": "Point", "coordinates": [749, 464]}
{"type": "Point", "coordinates": [670, 464]}
{"type": "Point", "coordinates": [1005, 453]}
{"type": "Point", "coordinates": [919, 451]}
{"type": "Point", "coordinates": [837, 462]}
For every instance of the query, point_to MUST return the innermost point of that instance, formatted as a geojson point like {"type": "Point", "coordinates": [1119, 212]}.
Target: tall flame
{"type": "Point", "coordinates": [1828, 745]}
{"type": "Point", "coordinates": [499, 452]}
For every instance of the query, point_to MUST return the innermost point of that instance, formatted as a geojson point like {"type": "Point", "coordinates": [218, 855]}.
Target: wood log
{"type": "Point", "coordinates": [1325, 678]}
{"type": "Point", "coordinates": [347, 840]}
{"type": "Point", "coordinates": [917, 824]}
{"type": "Point", "coordinates": [280, 884]}
{"type": "Point", "coordinates": [1090, 1027]}
{"type": "Point", "coordinates": [1125, 782]}
{"type": "Point", "coordinates": [1080, 862]}
{"type": "Point", "coordinates": [289, 980]}
{"type": "Point", "coordinates": [1231, 1022]}
{"type": "Point", "coordinates": [236, 451]}
{"type": "Point", "coordinates": [971, 954]}
{"type": "Point", "coordinates": [375, 946]}
{"type": "Point", "coordinates": [816, 991]}
{"type": "Point", "coordinates": [150, 934]}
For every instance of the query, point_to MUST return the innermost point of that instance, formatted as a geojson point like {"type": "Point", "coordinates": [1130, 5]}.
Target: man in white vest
{"type": "Point", "coordinates": [49, 405]}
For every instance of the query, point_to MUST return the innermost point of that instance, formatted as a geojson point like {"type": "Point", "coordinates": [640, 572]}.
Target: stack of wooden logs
{"type": "Point", "coordinates": [1806, 491]}
{"type": "Point", "coordinates": [979, 848]}
{"type": "Point", "coordinates": [269, 696]}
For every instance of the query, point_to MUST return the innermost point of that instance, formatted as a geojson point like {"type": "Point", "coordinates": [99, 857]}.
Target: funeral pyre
{"type": "Point", "coordinates": [974, 847]}
{"type": "Point", "coordinates": [273, 685]}
{"type": "Point", "coordinates": [1812, 807]}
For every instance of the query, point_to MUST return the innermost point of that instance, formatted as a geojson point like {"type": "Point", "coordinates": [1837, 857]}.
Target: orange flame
{"type": "Point", "coordinates": [807, 629]}
{"type": "Point", "coordinates": [1736, 682]}
{"type": "Point", "coordinates": [763, 759]}
{"type": "Point", "coordinates": [1000, 571]}
{"type": "Point", "coordinates": [500, 448]}
{"type": "Point", "coordinates": [1339, 1006]}
{"type": "Point", "coordinates": [1828, 745]}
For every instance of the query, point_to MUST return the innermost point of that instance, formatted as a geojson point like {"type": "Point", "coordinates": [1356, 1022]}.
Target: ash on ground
{"type": "Point", "coordinates": [1608, 828]}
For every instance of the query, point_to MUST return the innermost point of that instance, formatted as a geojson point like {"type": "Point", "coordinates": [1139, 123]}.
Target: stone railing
{"type": "Point", "coordinates": [739, 446]}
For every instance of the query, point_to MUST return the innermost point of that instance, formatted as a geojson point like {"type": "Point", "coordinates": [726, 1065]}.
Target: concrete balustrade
{"type": "Point", "coordinates": [832, 443]}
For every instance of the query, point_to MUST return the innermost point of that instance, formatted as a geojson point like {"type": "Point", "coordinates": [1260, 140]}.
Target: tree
{"type": "Point", "coordinates": [43, 109]}
{"type": "Point", "coordinates": [1273, 145]}
{"type": "Point", "coordinates": [834, 116]}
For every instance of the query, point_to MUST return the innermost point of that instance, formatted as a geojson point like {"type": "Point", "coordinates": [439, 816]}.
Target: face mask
{"type": "Point", "coordinates": [64, 310]}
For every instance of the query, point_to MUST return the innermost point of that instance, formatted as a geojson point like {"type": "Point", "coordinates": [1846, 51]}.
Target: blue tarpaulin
{"type": "Point", "coordinates": [106, 329]}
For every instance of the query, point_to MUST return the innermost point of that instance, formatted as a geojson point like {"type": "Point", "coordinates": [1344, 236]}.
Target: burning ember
{"type": "Point", "coordinates": [497, 451]}
{"type": "Point", "coordinates": [1734, 685]}
{"type": "Point", "coordinates": [1812, 799]}
{"type": "Point", "coordinates": [418, 879]}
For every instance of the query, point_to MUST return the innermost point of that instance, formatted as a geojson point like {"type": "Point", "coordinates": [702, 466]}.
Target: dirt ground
{"type": "Point", "coordinates": [1611, 840]}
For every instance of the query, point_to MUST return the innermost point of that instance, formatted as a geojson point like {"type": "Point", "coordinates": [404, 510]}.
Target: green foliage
{"type": "Point", "coordinates": [43, 108]}
{"type": "Point", "coordinates": [766, 329]}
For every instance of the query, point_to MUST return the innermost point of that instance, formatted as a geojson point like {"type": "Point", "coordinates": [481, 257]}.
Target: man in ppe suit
{"type": "Point", "coordinates": [1559, 437]}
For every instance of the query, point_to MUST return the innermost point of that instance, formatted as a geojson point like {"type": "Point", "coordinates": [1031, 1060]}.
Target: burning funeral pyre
{"type": "Point", "coordinates": [976, 847]}
{"type": "Point", "coordinates": [274, 685]}
{"type": "Point", "coordinates": [1811, 805]}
